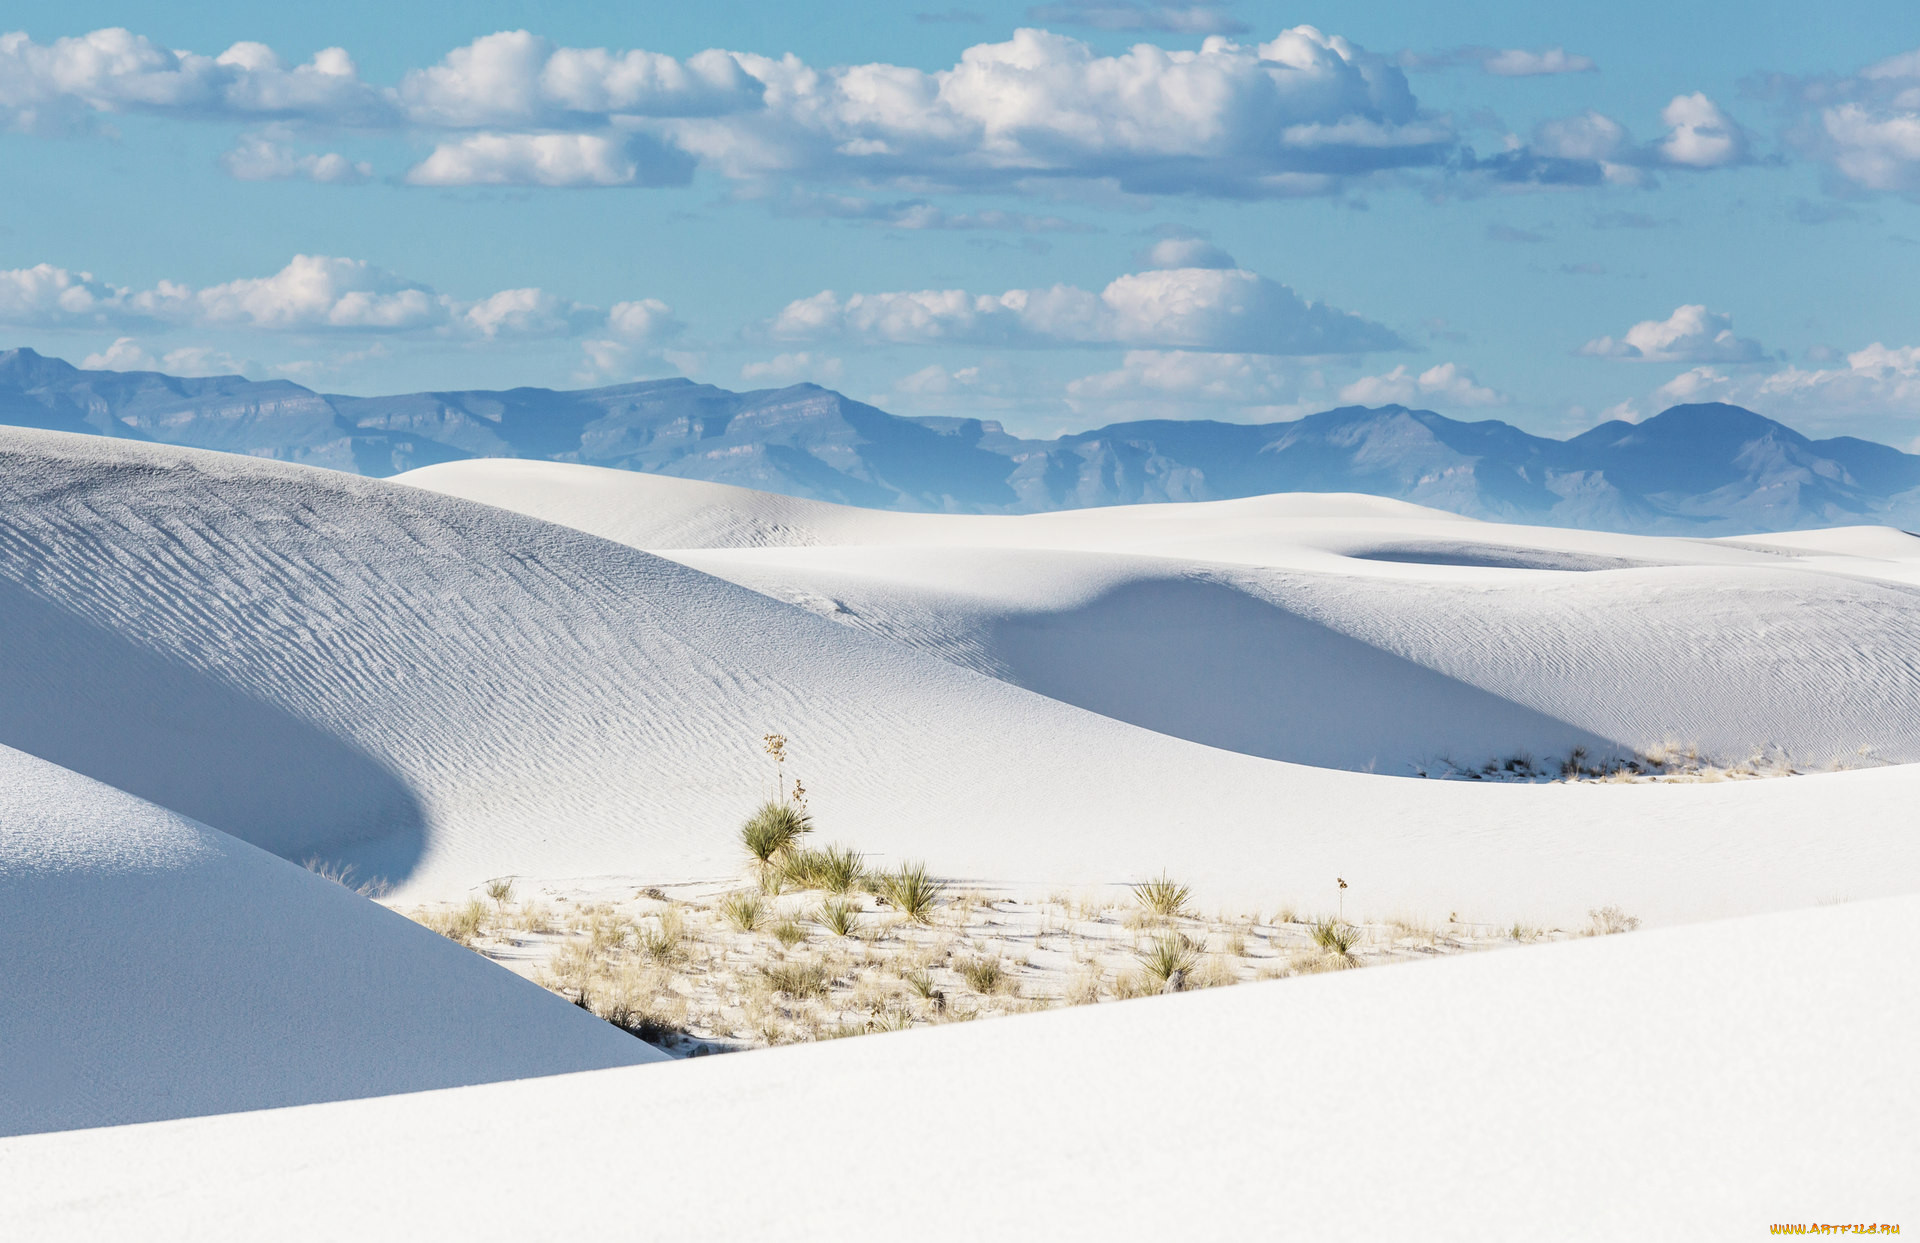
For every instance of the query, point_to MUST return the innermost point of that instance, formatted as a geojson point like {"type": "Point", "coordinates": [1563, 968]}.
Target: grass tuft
{"type": "Point", "coordinates": [1609, 920]}
{"type": "Point", "coordinates": [836, 869]}
{"type": "Point", "coordinates": [984, 976]}
{"type": "Point", "coordinates": [1336, 938]}
{"type": "Point", "coordinates": [798, 979]}
{"type": "Point", "coordinates": [743, 910]}
{"type": "Point", "coordinates": [789, 932]}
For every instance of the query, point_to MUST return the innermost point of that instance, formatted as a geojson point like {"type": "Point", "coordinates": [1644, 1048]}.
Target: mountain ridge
{"type": "Point", "coordinates": [1702, 469]}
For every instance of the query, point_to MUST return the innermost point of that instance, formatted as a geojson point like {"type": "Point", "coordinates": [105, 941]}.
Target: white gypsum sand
{"type": "Point", "coordinates": [158, 969]}
{"type": "Point", "coordinates": [1688, 1083]}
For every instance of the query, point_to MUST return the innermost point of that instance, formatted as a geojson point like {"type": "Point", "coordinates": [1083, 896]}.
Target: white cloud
{"type": "Point", "coordinates": [1878, 380]}
{"type": "Point", "coordinates": [259, 157]}
{"type": "Point", "coordinates": [1201, 18]}
{"type": "Point", "coordinates": [551, 160]}
{"type": "Point", "coordinates": [1447, 384]}
{"type": "Point", "coordinates": [47, 296]}
{"type": "Point", "coordinates": [1230, 311]}
{"type": "Point", "coordinates": [1700, 135]}
{"type": "Point", "coordinates": [934, 380]}
{"type": "Point", "coordinates": [317, 294]}
{"type": "Point", "coordinates": [516, 79]}
{"type": "Point", "coordinates": [1865, 127]}
{"type": "Point", "coordinates": [57, 86]}
{"type": "Point", "coordinates": [1291, 116]}
{"type": "Point", "coordinates": [1520, 63]}
{"type": "Point", "coordinates": [1186, 252]}
{"type": "Point", "coordinates": [1692, 334]}
{"type": "Point", "coordinates": [126, 354]}
{"type": "Point", "coordinates": [919, 214]}
{"type": "Point", "coordinates": [784, 369]}
{"type": "Point", "coordinates": [1592, 148]}
{"type": "Point", "coordinates": [1227, 379]}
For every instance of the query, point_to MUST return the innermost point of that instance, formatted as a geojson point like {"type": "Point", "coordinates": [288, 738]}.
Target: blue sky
{"type": "Point", "coordinates": [1057, 215]}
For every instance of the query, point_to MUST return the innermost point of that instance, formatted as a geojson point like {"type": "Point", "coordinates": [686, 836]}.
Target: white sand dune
{"type": "Point", "coordinates": [157, 969]}
{"type": "Point", "coordinates": [444, 691]}
{"type": "Point", "coordinates": [1342, 630]}
{"type": "Point", "coordinates": [1700, 1083]}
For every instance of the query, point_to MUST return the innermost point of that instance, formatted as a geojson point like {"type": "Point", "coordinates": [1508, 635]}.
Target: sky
{"type": "Point", "coordinates": [1056, 215]}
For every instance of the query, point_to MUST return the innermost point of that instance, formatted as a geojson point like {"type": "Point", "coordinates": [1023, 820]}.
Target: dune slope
{"type": "Point", "coordinates": [158, 969]}
{"type": "Point", "coordinates": [1696, 1083]}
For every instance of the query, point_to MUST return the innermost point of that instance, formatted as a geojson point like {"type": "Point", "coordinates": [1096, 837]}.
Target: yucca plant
{"type": "Point", "coordinates": [1336, 938]}
{"type": "Point", "coordinates": [839, 916]}
{"type": "Point", "coordinates": [772, 832]}
{"type": "Point", "coordinates": [1163, 895]}
{"type": "Point", "coordinates": [1170, 958]}
{"type": "Point", "coordinates": [912, 891]}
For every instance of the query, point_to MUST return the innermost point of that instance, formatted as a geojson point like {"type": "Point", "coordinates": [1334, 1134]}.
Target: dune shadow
{"type": "Point", "coordinates": [1211, 664]}
{"type": "Point", "coordinates": [93, 701]}
{"type": "Point", "coordinates": [1495, 557]}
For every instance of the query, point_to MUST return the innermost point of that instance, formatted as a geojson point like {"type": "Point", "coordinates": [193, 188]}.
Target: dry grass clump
{"type": "Point", "coordinates": [836, 869]}
{"type": "Point", "coordinates": [798, 979]}
{"type": "Point", "coordinates": [461, 924]}
{"type": "Point", "coordinates": [789, 932]}
{"type": "Point", "coordinates": [342, 875]}
{"type": "Point", "coordinates": [743, 910]}
{"type": "Point", "coordinates": [1163, 895]}
{"type": "Point", "coordinates": [662, 940]}
{"type": "Point", "coordinates": [1608, 920]}
{"type": "Point", "coordinates": [985, 976]}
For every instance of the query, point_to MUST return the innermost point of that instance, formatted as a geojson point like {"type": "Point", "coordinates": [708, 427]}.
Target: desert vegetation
{"type": "Point", "coordinates": [1668, 761]}
{"type": "Point", "coordinates": [816, 943]}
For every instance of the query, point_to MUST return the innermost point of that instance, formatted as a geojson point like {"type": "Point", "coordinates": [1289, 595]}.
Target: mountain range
{"type": "Point", "coordinates": [1706, 469]}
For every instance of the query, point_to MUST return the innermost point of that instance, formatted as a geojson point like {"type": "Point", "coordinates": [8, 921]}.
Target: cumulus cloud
{"type": "Point", "coordinates": [552, 160]}
{"type": "Point", "coordinates": [1593, 149]}
{"type": "Point", "coordinates": [1186, 375]}
{"type": "Point", "coordinates": [517, 79]}
{"type": "Point", "coordinates": [1186, 252]}
{"type": "Point", "coordinates": [1445, 385]}
{"type": "Point", "coordinates": [1877, 380]}
{"type": "Point", "coordinates": [784, 369]}
{"type": "Point", "coordinates": [1213, 310]}
{"type": "Point", "coordinates": [126, 354]}
{"type": "Point", "coordinates": [259, 157]}
{"type": "Point", "coordinates": [1295, 115]}
{"type": "Point", "coordinates": [919, 213]}
{"type": "Point", "coordinates": [1185, 19]}
{"type": "Point", "coordinates": [1520, 63]}
{"type": "Point", "coordinates": [314, 294]}
{"type": "Point", "coordinates": [1692, 334]}
{"type": "Point", "coordinates": [1864, 127]}
{"type": "Point", "coordinates": [57, 87]}
{"type": "Point", "coordinates": [1503, 62]}
{"type": "Point", "coordinates": [933, 380]}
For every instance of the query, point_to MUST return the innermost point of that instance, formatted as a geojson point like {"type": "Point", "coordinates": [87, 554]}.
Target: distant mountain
{"type": "Point", "coordinates": [1698, 469]}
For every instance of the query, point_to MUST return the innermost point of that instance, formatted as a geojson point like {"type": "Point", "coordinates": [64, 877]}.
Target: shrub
{"type": "Point", "coordinates": [838, 916]}
{"type": "Point", "coordinates": [1163, 895]}
{"type": "Point", "coordinates": [743, 910]}
{"type": "Point", "coordinates": [984, 975]}
{"type": "Point", "coordinates": [798, 979]}
{"type": "Point", "coordinates": [1611, 919]}
{"type": "Point", "coordinates": [1170, 958]}
{"type": "Point", "coordinates": [661, 942]}
{"type": "Point", "coordinates": [912, 891]}
{"type": "Point", "coordinates": [501, 891]}
{"type": "Point", "coordinates": [772, 832]}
